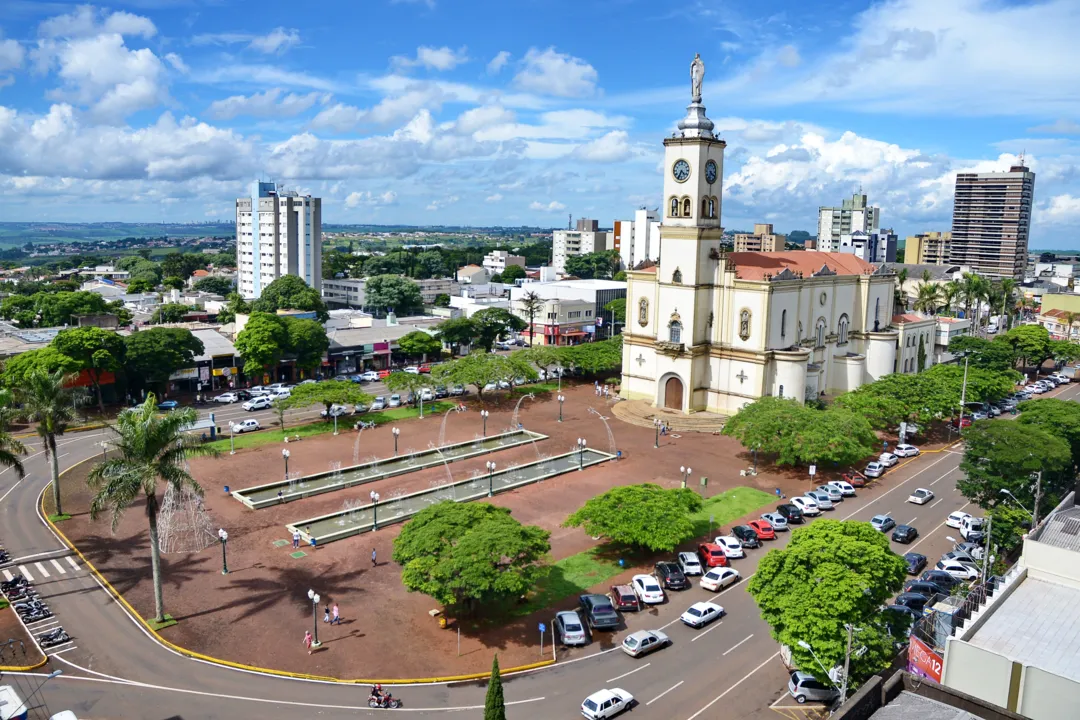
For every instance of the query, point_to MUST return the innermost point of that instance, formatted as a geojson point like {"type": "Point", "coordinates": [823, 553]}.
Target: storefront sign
{"type": "Point", "coordinates": [185, 374]}
{"type": "Point", "coordinates": [923, 661]}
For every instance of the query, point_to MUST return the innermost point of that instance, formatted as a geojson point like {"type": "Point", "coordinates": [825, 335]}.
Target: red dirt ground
{"type": "Point", "coordinates": [258, 613]}
{"type": "Point", "coordinates": [17, 655]}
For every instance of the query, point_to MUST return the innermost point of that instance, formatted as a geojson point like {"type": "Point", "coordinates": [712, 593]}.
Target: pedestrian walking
{"type": "Point", "coordinates": [326, 614]}
{"type": "Point", "coordinates": [778, 493]}
{"type": "Point", "coordinates": [663, 429]}
{"type": "Point", "coordinates": [307, 641]}
{"type": "Point", "coordinates": [337, 617]}
{"type": "Point", "coordinates": [296, 539]}
{"type": "Point", "coordinates": [373, 561]}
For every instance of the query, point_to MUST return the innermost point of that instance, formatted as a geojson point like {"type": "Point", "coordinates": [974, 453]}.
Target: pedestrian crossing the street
{"type": "Point", "coordinates": [46, 569]}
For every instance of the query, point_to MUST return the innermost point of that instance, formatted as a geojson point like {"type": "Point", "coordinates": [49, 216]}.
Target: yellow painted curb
{"type": "Point", "coordinates": [265, 671]}
{"type": "Point", "coordinates": [81, 428]}
{"type": "Point", "coordinates": [25, 668]}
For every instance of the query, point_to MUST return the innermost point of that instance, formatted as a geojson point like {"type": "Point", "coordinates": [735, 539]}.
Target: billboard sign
{"type": "Point", "coordinates": [923, 661]}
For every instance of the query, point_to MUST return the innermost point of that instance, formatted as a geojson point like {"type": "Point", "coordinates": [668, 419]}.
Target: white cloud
{"type": "Point", "coordinates": [443, 58]}
{"type": "Point", "coordinates": [1060, 210]}
{"type": "Point", "coordinates": [442, 202]}
{"type": "Point", "coordinates": [257, 74]}
{"type": "Point", "coordinates": [276, 42]}
{"type": "Point", "coordinates": [272, 103]}
{"type": "Point", "coordinates": [558, 124]}
{"type": "Point", "coordinates": [553, 206]}
{"type": "Point", "coordinates": [178, 63]}
{"type": "Point", "coordinates": [87, 20]}
{"type": "Point", "coordinates": [1062, 126]}
{"type": "Point", "coordinates": [369, 199]}
{"type": "Point", "coordinates": [497, 63]}
{"type": "Point", "coordinates": [612, 147]}
{"type": "Point", "coordinates": [479, 118]}
{"type": "Point", "coordinates": [554, 73]}
{"type": "Point", "coordinates": [12, 55]}
{"type": "Point", "coordinates": [389, 110]}
{"type": "Point", "coordinates": [494, 198]}
{"type": "Point", "coordinates": [788, 56]}
{"type": "Point", "coordinates": [339, 117]}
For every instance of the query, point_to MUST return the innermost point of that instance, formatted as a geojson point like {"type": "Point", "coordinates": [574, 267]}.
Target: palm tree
{"type": "Point", "coordinates": [10, 448]}
{"type": "Point", "coordinates": [950, 294]}
{"type": "Point", "coordinates": [1070, 320]}
{"type": "Point", "coordinates": [47, 402]}
{"type": "Point", "coordinates": [900, 298]}
{"type": "Point", "coordinates": [531, 304]}
{"type": "Point", "coordinates": [1008, 290]}
{"type": "Point", "coordinates": [927, 298]}
{"type": "Point", "coordinates": [151, 448]}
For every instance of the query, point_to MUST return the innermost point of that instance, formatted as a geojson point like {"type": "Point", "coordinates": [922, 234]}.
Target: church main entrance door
{"type": "Point", "coordinates": [673, 394]}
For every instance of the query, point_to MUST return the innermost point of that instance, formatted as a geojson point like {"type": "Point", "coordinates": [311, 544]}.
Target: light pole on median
{"type": "Point", "coordinates": [397, 433]}
{"type": "Point", "coordinates": [374, 510]}
{"type": "Point", "coordinates": [224, 537]}
{"type": "Point", "coordinates": [581, 443]}
{"type": "Point", "coordinates": [314, 597]}
{"type": "Point", "coordinates": [562, 399]}
{"type": "Point", "coordinates": [491, 470]}
{"type": "Point", "coordinates": [685, 474]}
{"type": "Point", "coordinates": [484, 414]}
{"type": "Point", "coordinates": [285, 454]}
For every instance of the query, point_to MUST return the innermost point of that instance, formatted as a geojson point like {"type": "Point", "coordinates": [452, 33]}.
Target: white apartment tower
{"type": "Point", "coordinates": [586, 238]}
{"type": "Point", "coordinates": [278, 232]}
{"type": "Point", "coordinates": [638, 240]}
{"type": "Point", "coordinates": [852, 216]}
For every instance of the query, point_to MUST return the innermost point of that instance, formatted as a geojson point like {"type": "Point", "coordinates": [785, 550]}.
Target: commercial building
{"type": "Point", "coordinates": [914, 342]}
{"type": "Point", "coordinates": [853, 215]}
{"type": "Point", "coordinates": [559, 321]}
{"type": "Point", "coordinates": [278, 233]}
{"type": "Point", "coordinates": [637, 240]}
{"type": "Point", "coordinates": [929, 248]}
{"type": "Point", "coordinates": [763, 239]}
{"type": "Point", "coordinates": [991, 220]}
{"type": "Point", "coordinates": [948, 329]}
{"type": "Point", "coordinates": [495, 262]}
{"type": "Point", "coordinates": [349, 292]}
{"type": "Point", "coordinates": [570, 296]}
{"type": "Point", "coordinates": [472, 275]}
{"type": "Point", "coordinates": [567, 243]}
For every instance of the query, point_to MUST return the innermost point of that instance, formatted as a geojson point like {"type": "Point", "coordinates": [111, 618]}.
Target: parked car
{"type": "Point", "coordinates": [856, 478]}
{"type": "Point", "coordinates": [731, 546]}
{"type": "Point", "coordinates": [689, 563]}
{"type": "Point", "coordinates": [884, 523]}
{"type": "Point", "coordinates": [905, 450]}
{"type": "Point", "coordinates": [846, 489]}
{"type": "Point", "coordinates": [824, 502]}
{"type": "Point", "coordinates": [260, 403]}
{"type": "Point", "coordinates": [335, 411]}
{"type": "Point", "coordinates": [791, 513]}
{"type": "Point", "coordinates": [281, 393]}
{"type": "Point", "coordinates": [244, 426]}
{"type": "Point", "coordinates": [940, 578]}
{"type": "Point", "coordinates": [568, 628]}
{"type": "Point", "coordinates": [904, 534]}
{"type": "Point", "coordinates": [258, 390]}
{"type": "Point", "coordinates": [955, 519]}
{"type": "Point", "coordinates": [778, 521]}
{"type": "Point", "coordinates": [670, 576]}
{"type": "Point", "coordinates": [604, 704]}
{"type": "Point", "coordinates": [644, 642]}
{"type": "Point", "coordinates": [807, 505]}
{"type": "Point", "coordinates": [803, 686]}
{"type": "Point", "coordinates": [874, 470]}
{"type": "Point", "coordinates": [168, 405]}
{"type": "Point", "coordinates": [834, 493]}
{"type": "Point", "coordinates": [719, 578]}
{"type": "Point", "coordinates": [921, 496]}
{"type": "Point", "coordinates": [924, 587]}
{"type": "Point", "coordinates": [972, 528]}
{"type": "Point", "coordinates": [712, 555]}
{"type": "Point", "coordinates": [440, 391]}
{"type": "Point", "coordinates": [914, 600]}
{"type": "Point", "coordinates": [747, 536]}
{"type": "Point", "coordinates": [648, 589]}
{"type": "Point", "coordinates": [975, 550]}
{"type": "Point", "coordinates": [624, 598]}
{"type": "Point", "coordinates": [229, 397]}
{"type": "Point", "coordinates": [701, 614]}
{"type": "Point", "coordinates": [599, 612]}
{"type": "Point", "coordinates": [915, 562]}
{"type": "Point", "coordinates": [763, 529]}
{"type": "Point", "coordinates": [424, 369]}
{"type": "Point", "coordinates": [888, 459]}
{"type": "Point", "coordinates": [427, 395]}
{"type": "Point", "coordinates": [959, 556]}
{"type": "Point", "coordinates": [369, 376]}
{"type": "Point", "coordinates": [958, 570]}
{"type": "Point", "coordinates": [456, 390]}
{"type": "Point", "coordinates": [360, 408]}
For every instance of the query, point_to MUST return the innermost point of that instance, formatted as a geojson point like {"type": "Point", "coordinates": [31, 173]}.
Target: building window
{"type": "Point", "coordinates": [573, 314]}
{"type": "Point", "coordinates": [843, 329]}
{"type": "Point", "coordinates": [783, 323]}
{"type": "Point", "coordinates": [687, 212]}
{"type": "Point", "coordinates": [820, 339]}
{"type": "Point", "coordinates": [676, 277]}
{"type": "Point", "coordinates": [877, 314]}
{"type": "Point", "coordinates": [674, 210]}
{"type": "Point", "coordinates": [781, 391]}
{"type": "Point", "coordinates": [675, 332]}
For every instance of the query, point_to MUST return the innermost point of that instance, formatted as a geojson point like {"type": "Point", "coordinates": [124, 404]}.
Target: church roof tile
{"type": "Point", "coordinates": [758, 265]}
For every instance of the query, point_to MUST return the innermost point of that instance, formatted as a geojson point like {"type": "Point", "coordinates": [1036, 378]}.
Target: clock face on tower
{"type": "Point", "coordinates": [681, 170]}
{"type": "Point", "coordinates": [710, 172]}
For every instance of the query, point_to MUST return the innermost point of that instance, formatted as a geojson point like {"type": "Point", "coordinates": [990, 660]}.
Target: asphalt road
{"type": "Point", "coordinates": [730, 669]}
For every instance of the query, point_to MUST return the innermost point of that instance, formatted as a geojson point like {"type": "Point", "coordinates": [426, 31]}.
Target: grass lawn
{"type": "Point", "coordinates": [728, 506]}
{"type": "Point", "coordinates": [267, 437]}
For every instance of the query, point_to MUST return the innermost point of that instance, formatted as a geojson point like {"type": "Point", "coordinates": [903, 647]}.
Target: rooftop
{"type": "Point", "coordinates": [909, 318]}
{"type": "Point", "coordinates": [1062, 529]}
{"type": "Point", "coordinates": [756, 265]}
{"type": "Point", "coordinates": [937, 272]}
{"type": "Point", "coordinates": [214, 344]}
{"type": "Point", "coordinates": [909, 706]}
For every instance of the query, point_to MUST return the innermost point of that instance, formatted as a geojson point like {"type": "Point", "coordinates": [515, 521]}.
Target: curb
{"type": "Point", "coordinates": [81, 428]}
{"type": "Point", "coordinates": [251, 668]}
{"type": "Point", "coordinates": [26, 668]}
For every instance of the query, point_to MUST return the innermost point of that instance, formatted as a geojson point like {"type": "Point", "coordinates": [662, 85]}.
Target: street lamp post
{"type": "Point", "coordinates": [656, 424]}
{"type": "Point", "coordinates": [397, 433]}
{"type": "Point", "coordinates": [484, 414]}
{"type": "Point", "coordinates": [224, 537]}
{"type": "Point", "coordinates": [685, 474]}
{"type": "Point", "coordinates": [581, 453]}
{"type": "Point", "coordinates": [755, 459]}
{"type": "Point", "coordinates": [314, 597]}
{"type": "Point", "coordinates": [806, 646]}
{"type": "Point", "coordinates": [374, 510]}
{"type": "Point", "coordinates": [491, 470]}
{"type": "Point", "coordinates": [963, 397]}
{"type": "Point", "coordinates": [285, 454]}
{"type": "Point", "coordinates": [562, 399]}
{"type": "Point", "coordinates": [232, 448]}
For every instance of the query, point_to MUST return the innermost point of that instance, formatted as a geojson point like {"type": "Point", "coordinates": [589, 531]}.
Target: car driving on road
{"type": "Point", "coordinates": [921, 496]}
{"type": "Point", "coordinates": [644, 642]}
{"type": "Point", "coordinates": [701, 614]}
{"type": "Point", "coordinates": [260, 403]}
{"type": "Point", "coordinates": [884, 523]}
{"type": "Point", "coordinates": [604, 704]}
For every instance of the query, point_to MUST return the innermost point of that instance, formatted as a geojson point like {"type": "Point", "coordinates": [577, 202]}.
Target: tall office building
{"type": "Point", "coordinates": [852, 216]}
{"type": "Point", "coordinates": [278, 232]}
{"type": "Point", "coordinates": [991, 220]}
{"type": "Point", "coordinates": [928, 248]}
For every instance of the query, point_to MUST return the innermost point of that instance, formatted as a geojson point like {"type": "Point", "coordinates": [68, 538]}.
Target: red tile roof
{"type": "Point", "coordinates": [200, 273]}
{"type": "Point", "coordinates": [908, 318]}
{"type": "Point", "coordinates": [1054, 314]}
{"type": "Point", "coordinates": [756, 265]}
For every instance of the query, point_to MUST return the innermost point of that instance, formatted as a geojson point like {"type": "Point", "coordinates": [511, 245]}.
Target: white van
{"type": "Point", "coordinates": [971, 525]}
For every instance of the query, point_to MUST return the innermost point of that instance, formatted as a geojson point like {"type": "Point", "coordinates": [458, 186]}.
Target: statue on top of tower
{"type": "Point", "coordinates": [697, 74]}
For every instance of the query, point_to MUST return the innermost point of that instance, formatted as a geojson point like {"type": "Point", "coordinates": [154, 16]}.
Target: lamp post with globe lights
{"type": "Point", "coordinates": [562, 399]}
{"type": "Point", "coordinates": [314, 597]}
{"type": "Point", "coordinates": [374, 510]}
{"type": "Point", "coordinates": [223, 536]}
{"type": "Point", "coordinates": [491, 470]}
{"type": "Point", "coordinates": [685, 474]}
{"type": "Point", "coordinates": [397, 433]}
{"type": "Point", "coordinates": [484, 414]}
{"type": "Point", "coordinates": [581, 453]}
{"type": "Point", "coordinates": [285, 454]}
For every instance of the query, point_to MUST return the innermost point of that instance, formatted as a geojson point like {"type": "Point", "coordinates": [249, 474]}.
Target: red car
{"type": "Point", "coordinates": [763, 529]}
{"type": "Point", "coordinates": [424, 368]}
{"type": "Point", "coordinates": [383, 374]}
{"type": "Point", "coordinates": [855, 479]}
{"type": "Point", "coordinates": [624, 598]}
{"type": "Point", "coordinates": [961, 422]}
{"type": "Point", "coordinates": [712, 555]}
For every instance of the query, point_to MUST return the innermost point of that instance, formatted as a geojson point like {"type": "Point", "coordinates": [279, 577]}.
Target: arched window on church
{"type": "Point", "coordinates": [842, 330]}
{"type": "Point", "coordinates": [675, 332]}
{"type": "Point", "coordinates": [712, 208]}
{"type": "Point", "coordinates": [705, 207]}
{"type": "Point", "coordinates": [686, 210]}
{"type": "Point", "coordinates": [674, 207]}
{"type": "Point", "coordinates": [781, 391]}
{"type": "Point", "coordinates": [820, 338]}
{"type": "Point", "coordinates": [676, 277]}
{"type": "Point", "coordinates": [783, 324]}
{"type": "Point", "coordinates": [877, 314]}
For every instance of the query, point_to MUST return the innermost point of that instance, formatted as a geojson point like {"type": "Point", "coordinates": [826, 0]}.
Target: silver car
{"type": "Point", "coordinates": [821, 498]}
{"type": "Point", "coordinates": [378, 403]}
{"type": "Point", "coordinates": [644, 642]}
{"type": "Point", "coordinates": [689, 564]}
{"type": "Point", "coordinates": [778, 521]}
{"type": "Point", "coordinates": [803, 686]}
{"type": "Point", "coordinates": [569, 629]}
{"type": "Point", "coordinates": [834, 493]}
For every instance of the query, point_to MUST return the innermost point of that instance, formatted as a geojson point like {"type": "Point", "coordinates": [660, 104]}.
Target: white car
{"type": "Point", "coordinates": [260, 403]}
{"type": "Point", "coordinates": [245, 426]}
{"type": "Point", "coordinates": [335, 411]}
{"type": "Point", "coordinates": [921, 496]}
{"type": "Point", "coordinates": [731, 546]}
{"type": "Point", "coordinates": [807, 505]}
{"type": "Point", "coordinates": [644, 642]}
{"type": "Point", "coordinates": [282, 393]}
{"type": "Point", "coordinates": [970, 526]}
{"type": "Point", "coordinates": [378, 403]}
{"type": "Point", "coordinates": [427, 395]}
{"type": "Point", "coordinates": [702, 613]}
{"type": "Point", "coordinates": [229, 397]}
{"type": "Point", "coordinates": [689, 563]}
{"type": "Point", "coordinates": [1062, 378]}
{"type": "Point", "coordinates": [958, 570]}
{"type": "Point", "coordinates": [648, 589]}
{"type": "Point", "coordinates": [778, 521]}
{"type": "Point", "coordinates": [905, 450]}
{"type": "Point", "coordinates": [846, 489]}
{"type": "Point", "coordinates": [719, 578]}
{"type": "Point", "coordinates": [412, 370]}
{"type": "Point", "coordinates": [1037, 389]}
{"type": "Point", "coordinates": [888, 459]}
{"type": "Point", "coordinates": [258, 390]}
{"type": "Point", "coordinates": [956, 519]}
{"type": "Point", "coordinates": [874, 470]}
{"type": "Point", "coordinates": [369, 376]}
{"type": "Point", "coordinates": [606, 703]}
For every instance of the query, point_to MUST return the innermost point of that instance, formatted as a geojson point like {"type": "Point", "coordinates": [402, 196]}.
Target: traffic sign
{"type": "Point", "coordinates": [543, 627]}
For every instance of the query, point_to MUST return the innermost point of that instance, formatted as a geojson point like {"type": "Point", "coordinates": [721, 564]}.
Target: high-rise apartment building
{"type": "Point", "coordinates": [565, 243]}
{"type": "Point", "coordinates": [991, 220]}
{"type": "Point", "coordinates": [928, 248]}
{"type": "Point", "coordinates": [852, 216]}
{"type": "Point", "coordinates": [637, 240]}
{"type": "Point", "coordinates": [278, 232]}
{"type": "Point", "coordinates": [763, 240]}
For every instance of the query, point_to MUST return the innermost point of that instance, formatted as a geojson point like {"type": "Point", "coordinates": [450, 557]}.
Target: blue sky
{"type": "Point", "coordinates": [489, 113]}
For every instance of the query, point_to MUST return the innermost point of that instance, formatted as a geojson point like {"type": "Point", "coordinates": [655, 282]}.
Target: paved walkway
{"type": "Point", "coordinates": [642, 414]}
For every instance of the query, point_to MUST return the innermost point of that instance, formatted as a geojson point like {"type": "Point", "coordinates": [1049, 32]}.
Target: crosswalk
{"type": "Point", "coordinates": [45, 569]}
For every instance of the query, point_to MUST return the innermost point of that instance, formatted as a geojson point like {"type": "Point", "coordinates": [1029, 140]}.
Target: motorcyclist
{"type": "Point", "coordinates": [376, 693]}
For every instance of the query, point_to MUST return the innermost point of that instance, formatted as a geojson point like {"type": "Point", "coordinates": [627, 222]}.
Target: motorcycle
{"type": "Point", "coordinates": [54, 638]}
{"type": "Point", "coordinates": [387, 702]}
{"type": "Point", "coordinates": [17, 581]}
{"type": "Point", "coordinates": [25, 596]}
{"type": "Point", "coordinates": [36, 617]}
{"type": "Point", "coordinates": [30, 606]}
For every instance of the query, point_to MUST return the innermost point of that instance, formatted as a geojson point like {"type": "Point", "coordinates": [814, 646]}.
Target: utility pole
{"type": "Point", "coordinates": [1038, 497]}
{"type": "Point", "coordinates": [847, 663]}
{"type": "Point", "coordinates": [963, 397]}
{"type": "Point", "coordinates": [986, 551]}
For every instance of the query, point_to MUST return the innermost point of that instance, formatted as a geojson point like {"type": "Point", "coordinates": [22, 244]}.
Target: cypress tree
{"type": "Point", "coordinates": [494, 705]}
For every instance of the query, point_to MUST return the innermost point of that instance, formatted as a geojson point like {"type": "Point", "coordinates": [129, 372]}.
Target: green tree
{"type": "Point", "coordinates": [457, 332]}
{"type": "Point", "coordinates": [419, 343]}
{"type": "Point", "coordinates": [619, 276]}
{"type": "Point", "coordinates": [831, 574]}
{"type": "Point", "coordinates": [798, 435]}
{"type": "Point", "coordinates": [213, 284]}
{"type": "Point", "coordinates": [922, 354]}
{"type": "Point", "coordinates": [1057, 417]}
{"type": "Point", "coordinates": [328, 394]}
{"type": "Point", "coordinates": [96, 350]}
{"type": "Point", "coordinates": [1064, 351]}
{"type": "Point", "coordinates": [169, 313]}
{"type": "Point", "coordinates": [512, 273]}
{"type": "Point", "coordinates": [480, 370]}
{"type": "Point", "coordinates": [1005, 455]}
{"type": "Point", "coordinates": [994, 354]}
{"type": "Point", "coordinates": [181, 265]}
{"type": "Point", "coordinates": [235, 304]}
{"type": "Point", "coordinates": [174, 281]}
{"type": "Point", "coordinates": [307, 342]}
{"type": "Point", "coordinates": [494, 704]}
{"type": "Point", "coordinates": [593, 265]}
{"type": "Point", "coordinates": [644, 516]}
{"type": "Point", "coordinates": [595, 357]}
{"type": "Point", "coordinates": [51, 406]}
{"type": "Point", "coordinates": [151, 448]}
{"type": "Point", "coordinates": [19, 369]}
{"type": "Point", "coordinates": [393, 292]}
{"type": "Point", "coordinates": [617, 308]}
{"type": "Point", "coordinates": [262, 343]}
{"type": "Point", "coordinates": [494, 323]}
{"type": "Point", "coordinates": [152, 355]}
{"type": "Point", "coordinates": [466, 555]}
{"type": "Point", "coordinates": [52, 309]}
{"type": "Point", "coordinates": [1031, 343]}
{"type": "Point", "coordinates": [982, 385]}
{"type": "Point", "coordinates": [290, 292]}
{"type": "Point", "coordinates": [544, 357]}
{"type": "Point", "coordinates": [430, 264]}
{"type": "Point", "coordinates": [140, 286]}
{"type": "Point", "coordinates": [442, 300]}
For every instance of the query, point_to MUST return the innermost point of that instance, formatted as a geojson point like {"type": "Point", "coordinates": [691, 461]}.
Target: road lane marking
{"type": "Point", "coordinates": [620, 677]}
{"type": "Point", "coordinates": [664, 693]}
{"type": "Point", "coordinates": [703, 634]}
{"type": "Point", "coordinates": [24, 558]}
{"type": "Point", "coordinates": [739, 643]}
{"type": "Point", "coordinates": [927, 536]}
{"type": "Point", "coordinates": [8, 577]}
{"type": "Point", "coordinates": [41, 569]}
{"type": "Point", "coordinates": [71, 561]}
{"type": "Point", "coordinates": [4, 496]}
{"type": "Point", "coordinates": [59, 567]}
{"type": "Point", "coordinates": [911, 522]}
{"type": "Point", "coordinates": [943, 477]}
{"type": "Point", "coordinates": [26, 573]}
{"type": "Point", "coordinates": [744, 678]}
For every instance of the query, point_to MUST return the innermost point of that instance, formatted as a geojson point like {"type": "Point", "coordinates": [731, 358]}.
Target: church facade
{"type": "Point", "coordinates": [713, 330]}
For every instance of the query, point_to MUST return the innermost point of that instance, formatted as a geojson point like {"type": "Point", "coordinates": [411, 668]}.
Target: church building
{"type": "Point", "coordinates": [713, 330]}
